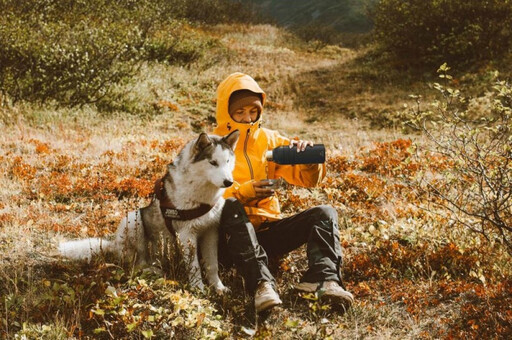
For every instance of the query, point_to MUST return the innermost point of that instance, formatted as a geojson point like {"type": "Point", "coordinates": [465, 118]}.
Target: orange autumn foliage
{"type": "Point", "coordinates": [376, 184]}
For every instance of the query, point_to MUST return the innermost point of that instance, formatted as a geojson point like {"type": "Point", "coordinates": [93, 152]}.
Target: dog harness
{"type": "Point", "coordinates": [169, 210]}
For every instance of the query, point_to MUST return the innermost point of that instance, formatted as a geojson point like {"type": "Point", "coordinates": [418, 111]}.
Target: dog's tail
{"type": "Point", "coordinates": [85, 249]}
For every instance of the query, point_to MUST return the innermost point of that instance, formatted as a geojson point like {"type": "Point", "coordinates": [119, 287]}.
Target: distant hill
{"type": "Point", "coordinates": [343, 15]}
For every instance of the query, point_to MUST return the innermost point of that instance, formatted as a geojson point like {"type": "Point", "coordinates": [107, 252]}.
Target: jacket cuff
{"type": "Point", "coordinates": [246, 191]}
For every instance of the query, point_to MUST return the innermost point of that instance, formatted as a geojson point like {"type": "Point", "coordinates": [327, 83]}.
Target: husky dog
{"type": "Point", "coordinates": [187, 205]}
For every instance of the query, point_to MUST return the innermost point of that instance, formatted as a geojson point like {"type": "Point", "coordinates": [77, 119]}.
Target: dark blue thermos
{"type": "Point", "coordinates": [285, 155]}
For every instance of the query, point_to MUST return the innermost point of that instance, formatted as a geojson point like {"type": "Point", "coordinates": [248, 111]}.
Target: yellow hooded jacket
{"type": "Point", "coordinates": [251, 164]}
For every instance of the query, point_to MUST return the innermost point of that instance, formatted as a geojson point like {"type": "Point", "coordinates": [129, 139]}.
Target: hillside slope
{"type": "Point", "coordinates": [75, 172]}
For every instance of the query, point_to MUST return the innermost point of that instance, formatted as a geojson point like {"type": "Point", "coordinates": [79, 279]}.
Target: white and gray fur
{"type": "Point", "coordinates": [199, 174]}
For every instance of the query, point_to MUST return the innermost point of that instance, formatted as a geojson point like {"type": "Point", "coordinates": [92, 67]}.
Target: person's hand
{"type": "Point", "coordinates": [262, 190]}
{"type": "Point", "coordinates": [301, 144]}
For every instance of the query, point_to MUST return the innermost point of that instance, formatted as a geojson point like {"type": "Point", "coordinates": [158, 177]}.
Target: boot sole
{"type": "Point", "coordinates": [267, 305]}
{"type": "Point", "coordinates": [339, 303]}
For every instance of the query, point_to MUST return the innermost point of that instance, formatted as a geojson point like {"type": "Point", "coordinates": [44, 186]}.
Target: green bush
{"type": "Point", "coordinates": [80, 52]}
{"type": "Point", "coordinates": [70, 65]}
{"type": "Point", "coordinates": [317, 31]}
{"type": "Point", "coordinates": [214, 11]}
{"type": "Point", "coordinates": [174, 44]}
{"type": "Point", "coordinates": [430, 32]}
{"type": "Point", "coordinates": [71, 52]}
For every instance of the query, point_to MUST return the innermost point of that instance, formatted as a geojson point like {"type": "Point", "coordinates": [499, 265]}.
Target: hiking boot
{"type": "Point", "coordinates": [330, 290]}
{"type": "Point", "coordinates": [265, 297]}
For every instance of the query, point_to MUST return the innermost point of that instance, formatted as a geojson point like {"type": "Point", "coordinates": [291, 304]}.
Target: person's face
{"type": "Point", "coordinates": [247, 114]}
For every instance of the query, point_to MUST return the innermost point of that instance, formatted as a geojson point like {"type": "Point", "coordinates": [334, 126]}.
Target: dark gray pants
{"type": "Point", "coordinates": [317, 227]}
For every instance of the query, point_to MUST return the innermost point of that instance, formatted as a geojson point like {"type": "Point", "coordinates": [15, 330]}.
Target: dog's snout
{"type": "Point", "coordinates": [227, 183]}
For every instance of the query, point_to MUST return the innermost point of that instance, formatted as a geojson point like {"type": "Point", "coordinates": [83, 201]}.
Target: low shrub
{"type": "Point", "coordinates": [44, 61]}
{"type": "Point", "coordinates": [474, 190]}
{"type": "Point", "coordinates": [318, 33]}
{"type": "Point", "coordinates": [214, 11]}
{"type": "Point", "coordinates": [176, 43]}
{"type": "Point", "coordinates": [419, 32]}
{"type": "Point", "coordinates": [80, 52]}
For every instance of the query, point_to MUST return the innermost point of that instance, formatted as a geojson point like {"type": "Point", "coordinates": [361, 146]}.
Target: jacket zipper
{"type": "Point", "coordinates": [247, 156]}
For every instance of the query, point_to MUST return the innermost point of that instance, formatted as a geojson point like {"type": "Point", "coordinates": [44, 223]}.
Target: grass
{"type": "Point", "coordinates": [69, 173]}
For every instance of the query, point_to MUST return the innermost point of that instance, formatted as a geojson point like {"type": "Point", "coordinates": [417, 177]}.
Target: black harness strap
{"type": "Point", "coordinates": [170, 212]}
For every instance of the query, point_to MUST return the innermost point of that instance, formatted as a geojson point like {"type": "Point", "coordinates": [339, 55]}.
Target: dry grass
{"type": "Point", "coordinates": [74, 173]}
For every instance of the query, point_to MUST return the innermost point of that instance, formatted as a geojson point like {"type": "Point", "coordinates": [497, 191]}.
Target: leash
{"type": "Point", "coordinates": [169, 210]}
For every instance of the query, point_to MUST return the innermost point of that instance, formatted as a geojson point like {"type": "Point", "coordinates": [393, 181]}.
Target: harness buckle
{"type": "Point", "coordinates": [171, 213]}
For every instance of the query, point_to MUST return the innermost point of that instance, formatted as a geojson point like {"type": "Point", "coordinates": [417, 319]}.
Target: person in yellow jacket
{"type": "Point", "coordinates": [251, 222]}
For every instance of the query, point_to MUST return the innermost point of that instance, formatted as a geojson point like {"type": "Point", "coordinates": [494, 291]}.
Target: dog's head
{"type": "Point", "coordinates": [213, 158]}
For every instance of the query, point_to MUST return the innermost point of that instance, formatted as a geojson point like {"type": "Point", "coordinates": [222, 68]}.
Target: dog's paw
{"type": "Point", "coordinates": [220, 289]}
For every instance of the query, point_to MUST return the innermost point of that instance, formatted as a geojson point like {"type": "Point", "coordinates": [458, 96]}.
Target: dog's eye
{"type": "Point", "coordinates": [214, 163]}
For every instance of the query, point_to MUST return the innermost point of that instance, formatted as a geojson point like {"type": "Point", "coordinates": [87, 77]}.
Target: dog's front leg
{"type": "Point", "coordinates": [209, 243]}
{"type": "Point", "coordinates": [189, 244]}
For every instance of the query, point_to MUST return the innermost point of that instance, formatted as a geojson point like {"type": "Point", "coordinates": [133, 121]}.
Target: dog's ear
{"type": "Point", "coordinates": [232, 139]}
{"type": "Point", "coordinates": [202, 142]}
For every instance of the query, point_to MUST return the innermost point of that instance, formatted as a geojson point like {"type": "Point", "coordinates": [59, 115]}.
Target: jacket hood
{"type": "Point", "coordinates": [234, 82]}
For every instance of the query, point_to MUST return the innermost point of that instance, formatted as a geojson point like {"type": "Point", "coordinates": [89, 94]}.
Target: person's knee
{"type": "Point", "coordinates": [233, 213]}
{"type": "Point", "coordinates": [232, 203]}
{"type": "Point", "coordinates": [325, 218]}
{"type": "Point", "coordinates": [232, 207]}
{"type": "Point", "coordinates": [325, 213]}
